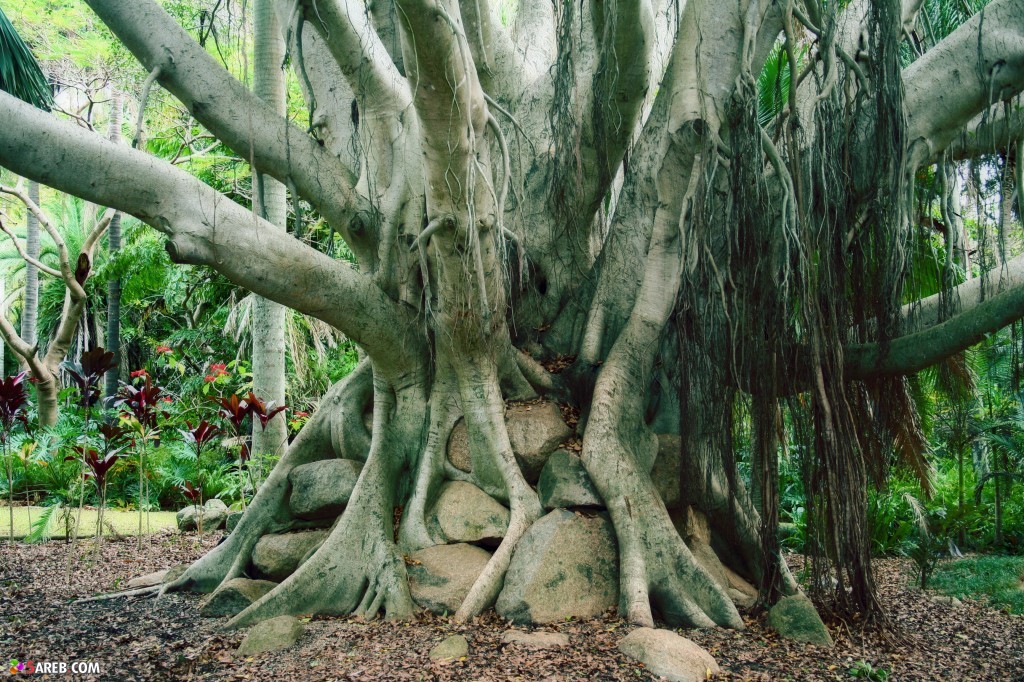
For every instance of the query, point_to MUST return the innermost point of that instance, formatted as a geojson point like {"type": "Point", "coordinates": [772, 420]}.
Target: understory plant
{"type": "Point", "coordinates": [13, 400]}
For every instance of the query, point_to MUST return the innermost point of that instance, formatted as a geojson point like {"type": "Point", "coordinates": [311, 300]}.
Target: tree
{"type": "Point", "coordinates": [592, 190]}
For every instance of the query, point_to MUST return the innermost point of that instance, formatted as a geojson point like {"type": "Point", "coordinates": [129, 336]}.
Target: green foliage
{"type": "Point", "coordinates": [999, 579]}
{"type": "Point", "coordinates": [865, 671]}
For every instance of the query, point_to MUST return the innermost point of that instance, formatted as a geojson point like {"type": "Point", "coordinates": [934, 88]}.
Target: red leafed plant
{"type": "Point", "coordinates": [12, 409]}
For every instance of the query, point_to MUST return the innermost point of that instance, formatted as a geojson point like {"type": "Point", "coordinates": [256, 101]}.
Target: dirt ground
{"type": "Point", "coordinates": [146, 639]}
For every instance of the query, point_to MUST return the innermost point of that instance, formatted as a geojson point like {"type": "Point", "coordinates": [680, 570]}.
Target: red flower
{"type": "Point", "coordinates": [139, 373]}
{"type": "Point", "coordinates": [299, 415]}
{"type": "Point", "coordinates": [210, 377]}
{"type": "Point", "coordinates": [163, 349]}
{"type": "Point", "coordinates": [167, 399]}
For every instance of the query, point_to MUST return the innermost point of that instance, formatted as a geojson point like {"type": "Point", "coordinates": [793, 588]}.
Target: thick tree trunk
{"type": "Point", "coordinates": [30, 308]}
{"type": "Point", "coordinates": [270, 202]}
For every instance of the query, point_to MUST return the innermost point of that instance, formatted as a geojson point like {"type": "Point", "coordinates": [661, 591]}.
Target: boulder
{"type": "Point", "coordinates": [796, 618]}
{"type": "Point", "coordinates": [666, 654]}
{"type": "Point", "coordinates": [156, 577]}
{"type": "Point", "coordinates": [213, 515]}
{"type": "Point", "coordinates": [440, 576]}
{"type": "Point", "coordinates": [535, 431]}
{"type": "Point", "coordinates": [943, 600]}
{"type": "Point", "coordinates": [234, 596]}
{"type": "Point", "coordinates": [320, 490]}
{"type": "Point", "coordinates": [565, 483]}
{"type": "Point", "coordinates": [451, 649]}
{"type": "Point", "coordinates": [565, 566]}
{"type": "Point", "coordinates": [465, 513]}
{"type": "Point", "coordinates": [272, 635]}
{"type": "Point", "coordinates": [667, 469]}
{"type": "Point", "coordinates": [458, 447]}
{"type": "Point", "coordinates": [276, 556]}
{"type": "Point", "coordinates": [232, 520]}
{"type": "Point", "coordinates": [535, 640]}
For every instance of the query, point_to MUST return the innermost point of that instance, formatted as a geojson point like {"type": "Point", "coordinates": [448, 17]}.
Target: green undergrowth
{"type": "Point", "coordinates": [1000, 579]}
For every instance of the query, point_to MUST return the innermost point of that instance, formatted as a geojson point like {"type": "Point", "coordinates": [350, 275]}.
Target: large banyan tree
{"type": "Point", "coordinates": [605, 204]}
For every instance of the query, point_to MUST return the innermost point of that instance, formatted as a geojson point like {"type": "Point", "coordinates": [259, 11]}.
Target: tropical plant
{"type": "Point", "coordinates": [12, 410]}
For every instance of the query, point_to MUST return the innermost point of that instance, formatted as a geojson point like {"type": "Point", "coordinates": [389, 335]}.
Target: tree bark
{"type": "Point", "coordinates": [113, 340]}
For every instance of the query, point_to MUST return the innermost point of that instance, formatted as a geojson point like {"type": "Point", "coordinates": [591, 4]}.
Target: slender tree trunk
{"type": "Point", "coordinates": [113, 340]}
{"type": "Point", "coordinates": [270, 202]}
{"type": "Point", "coordinates": [3, 311]}
{"type": "Point", "coordinates": [30, 312]}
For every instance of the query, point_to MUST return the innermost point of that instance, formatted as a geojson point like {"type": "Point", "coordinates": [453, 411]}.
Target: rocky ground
{"type": "Point", "coordinates": [144, 639]}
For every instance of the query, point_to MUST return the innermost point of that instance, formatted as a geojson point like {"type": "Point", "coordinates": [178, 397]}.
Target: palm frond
{"type": "Point", "coordinates": [20, 74]}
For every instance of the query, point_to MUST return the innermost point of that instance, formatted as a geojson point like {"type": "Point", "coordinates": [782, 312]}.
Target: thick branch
{"type": "Point", "coordinates": [500, 67]}
{"type": "Point", "coordinates": [913, 352]}
{"type": "Point", "coordinates": [206, 228]}
{"type": "Point", "coordinates": [220, 102]}
{"type": "Point", "coordinates": [980, 63]}
{"type": "Point", "coordinates": [991, 132]}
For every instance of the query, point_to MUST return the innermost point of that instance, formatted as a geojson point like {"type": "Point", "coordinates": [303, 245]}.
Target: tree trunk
{"type": "Point", "coordinates": [268, 317]}
{"type": "Point", "coordinates": [30, 311]}
{"type": "Point", "coordinates": [113, 340]}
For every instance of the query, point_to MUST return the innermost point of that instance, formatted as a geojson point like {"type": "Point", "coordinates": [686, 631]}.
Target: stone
{"type": "Point", "coordinates": [440, 577]}
{"type": "Point", "coordinates": [458, 447]}
{"type": "Point", "coordinates": [667, 469]}
{"type": "Point", "coordinates": [234, 596]}
{"type": "Point", "coordinates": [565, 483]}
{"type": "Point", "coordinates": [276, 556]}
{"type": "Point", "coordinates": [272, 635]}
{"type": "Point", "coordinates": [213, 514]}
{"type": "Point", "coordinates": [668, 655]}
{"type": "Point", "coordinates": [535, 431]}
{"type": "Point", "coordinates": [535, 640]}
{"type": "Point", "coordinates": [465, 513]}
{"type": "Point", "coordinates": [156, 577]}
{"type": "Point", "coordinates": [565, 566]}
{"type": "Point", "coordinates": [451, 649]}
{"type": "Point", "coordinates": [320, 490]}
{"type": "Point", "coordinates": [796, 618]}
{"type": "Point", "coordinates": [232, 520]}
{"type": "Point", "coordinates": [943, 600]}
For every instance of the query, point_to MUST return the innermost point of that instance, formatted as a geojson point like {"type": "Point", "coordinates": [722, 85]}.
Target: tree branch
{"type": "Point", "coordinates": [39, 265]}
{"type": "Point", "coordinates": [208, 229]}
{"type": "Point", "coordinates": [501, 69]}
{"type": "Point", "coordinates": [979, 64]}
{"type": "Point", "coordinates": [990, 132]}
{"type": "Point", "coordinates": [242, 121]}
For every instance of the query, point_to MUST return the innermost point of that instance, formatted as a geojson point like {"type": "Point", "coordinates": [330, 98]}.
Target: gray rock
{"type": "Point", "coordinates": [943, 600]}
{"type": "Point", "coordinates": [667, 469]}
{"type": "Point", "coordinates": [156, 577]}
{"type": "Point", "coordinates": [276, 557]}
{"type": "Point", "coordinates": [234, 596]}
{"type": "Point", "coordinates": [451, 649]}
{"type": "Point", "coordinates": [320, 490]}
{"type": "Point", "coordinates": [535, 431]}
{"type": "Point", "coordinates": [666, 654]}
{"type": "Point", "coordinates": [465, 513]}
{"type": "Point", "coordinates": [796, 618]}
{"type": "Point", "coordinates": [565, 566]}
{"type": "Point", "coordinates": [232, 521]}
{"type": "Point", "coordinates": [458, 447]}
{"type": "Point", "coordinates": [272, 635]}
{"type": "Point", "coordinates": [440, 577]}
{"type": "Point", "coordinates": [535, 640]}
{"type": "Point", "coordinates": [213, 515]}
{"type": "Point", "coordinates": [565, 483]}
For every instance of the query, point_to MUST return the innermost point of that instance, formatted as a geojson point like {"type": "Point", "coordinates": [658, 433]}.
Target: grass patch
{"type": "Point", "coordinates": [125, 522]}
{"type": "Point", "coordinates": [999, 578]}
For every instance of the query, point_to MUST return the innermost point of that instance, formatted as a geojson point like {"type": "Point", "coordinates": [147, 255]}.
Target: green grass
{"type": "Point", "coordinates": [999, 578]}
{"type": "Point", "coordinates": [126, 522]}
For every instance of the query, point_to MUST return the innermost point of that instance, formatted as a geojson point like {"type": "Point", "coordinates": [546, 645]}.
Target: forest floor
{"type": "Point", "coordinates": [146, 639]}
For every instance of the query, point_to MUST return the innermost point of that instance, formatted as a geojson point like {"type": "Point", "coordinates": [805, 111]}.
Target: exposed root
{"type": "Point", "coordinates": [151, 591]}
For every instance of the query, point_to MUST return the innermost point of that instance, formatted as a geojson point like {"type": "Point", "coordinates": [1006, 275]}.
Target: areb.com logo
{"type": "Point", "coordinates": [52, 667]}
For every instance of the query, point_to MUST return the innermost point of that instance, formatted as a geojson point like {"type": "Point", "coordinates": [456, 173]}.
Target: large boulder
{"type": "Point", "coordinates": [276, 556]}
{"type": "Point", "coordinates": [535, 431]}
{"type": "Point", "coordinates": [231, 522]}
{"type": "Point", "coordinates": [565, 483]}
{"type": "Point", "coordinates": [796, 618]}
{"type": "Point", "coordinates": [272, 635]}
{"type": "Point", "coordinates": [667, 655]}
{"type": "Point", "coordinates": [464, 513]}
{"type": "Point", "coordinates": [213, 515]}
{"type": "Point", "coordinates": [320, 490]}
{"type": "Point", "coordinates": [667, 469]}
{"type": "Point", "coordinates": [234, 596]}
{"type": "Point", "coordinates": [565, 566]}
{"type": "Point", "coordinates": [440, 577]}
